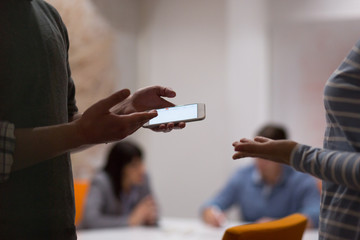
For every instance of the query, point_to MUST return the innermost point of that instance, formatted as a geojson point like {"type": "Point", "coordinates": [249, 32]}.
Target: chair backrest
{"type": "Point", "coordinates": [291, 227]}
{"type": "Point", "coordinates": [319, 185]}
{"type": "Point", "coordinates": [81, 188]}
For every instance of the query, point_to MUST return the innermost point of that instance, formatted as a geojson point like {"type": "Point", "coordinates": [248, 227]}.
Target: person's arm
{"type": "Point", "coordinates": [339, 167]}
{"type": "Point", "coordinates": [110, 119]}
{"type": "Point", "coordinates": [143, 212]}
{"type": "Point", "coordinates": [309, 197]}
{"type": "Point", "coordinates": [94, 217]}
{"type": "Point", "coordinates": [7, 148]}
{"type": "Point", "coordinates": [212, 212]}
{"type": "Point", "coordinates": [153, 216]}
{"type": "Point", "coordinates": [336, 166]}
{"type": "Point", "coordinates": [265, 148]}
{"type": "Point", "coordinates": [213, 216]}
{"type": "Point", "coordinates": [98, 124]}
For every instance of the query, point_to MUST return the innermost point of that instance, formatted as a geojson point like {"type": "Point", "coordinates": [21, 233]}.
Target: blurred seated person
{"type": "Point", "coordinates": [265, 191]}
{"type": "Point", "coordinates": [120, 194]}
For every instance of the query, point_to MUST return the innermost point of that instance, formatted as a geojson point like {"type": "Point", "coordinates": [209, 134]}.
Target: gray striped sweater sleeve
{"type": "Point", "coordinates": [342, 168]}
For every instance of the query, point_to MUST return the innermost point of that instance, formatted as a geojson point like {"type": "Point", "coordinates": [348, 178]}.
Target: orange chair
{"type": "Point", "coordinates": [291, 227]}
{"type": "Point", "coordinates": [81, 188]}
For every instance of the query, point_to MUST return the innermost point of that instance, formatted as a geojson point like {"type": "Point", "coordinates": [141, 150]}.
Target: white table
{"type": "Point", "coordinates": [169, 229]}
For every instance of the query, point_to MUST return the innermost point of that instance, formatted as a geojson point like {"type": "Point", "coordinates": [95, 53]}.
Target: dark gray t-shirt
{"type": "Point", "coordinates": [36, 89]}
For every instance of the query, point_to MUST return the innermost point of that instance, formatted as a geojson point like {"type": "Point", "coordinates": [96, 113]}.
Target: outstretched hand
{"type": "Point", "coordinates": [149, 98]}
{"type": "Point", "coordinates": [261, 147]}
{"type": "Point", "coordinates": [100, 123]}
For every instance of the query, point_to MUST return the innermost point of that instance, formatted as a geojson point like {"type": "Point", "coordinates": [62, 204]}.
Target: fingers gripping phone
{"type": "Point", "coordinates": [182, 113]}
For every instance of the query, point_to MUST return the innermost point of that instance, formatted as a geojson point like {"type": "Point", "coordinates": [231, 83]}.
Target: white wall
{"type": "Point", "coordinates": [124, 16]}
{"type": "Point", "coordinates": [293, 10]}
{"type": "Point", "coordinates": [309, 39]}
{"type": "Point", "coordinates": [248, 80]}
{"type": "Point", "coordinates": [182, 45]}
{"type": "Point", "coordinates": [213, 52]}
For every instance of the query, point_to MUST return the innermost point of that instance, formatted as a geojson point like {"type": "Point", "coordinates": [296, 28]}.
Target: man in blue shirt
{"type": "Point", "coordinates": [265, 191]}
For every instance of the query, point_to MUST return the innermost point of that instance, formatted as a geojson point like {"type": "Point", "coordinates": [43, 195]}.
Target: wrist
{"type": "Point", "coordinates": [291, 145]}
{"type": "Point", "coordinates": [133, 221]}
{"type": "Point", "coordinates": [78, 134]}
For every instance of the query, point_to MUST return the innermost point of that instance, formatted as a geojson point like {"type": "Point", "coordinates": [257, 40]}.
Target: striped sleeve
{"type": "Point", "coordinates": [342, 168]}
{"type": "Point", "coordinates": [7, 148]}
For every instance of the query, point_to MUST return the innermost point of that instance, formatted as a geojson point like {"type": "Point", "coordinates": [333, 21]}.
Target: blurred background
{"type": "Point", "coordinates": [250, 61]}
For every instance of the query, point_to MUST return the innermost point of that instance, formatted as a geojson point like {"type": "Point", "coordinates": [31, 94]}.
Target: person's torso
{"type": "Point", "coordinates": [36, 202]}
{"type": "Point", "coordinates": [257, 200]}
{"type": "Point", "coordinates": [340, 205]}
{"type": "Point", "coordinates": [125, 203]}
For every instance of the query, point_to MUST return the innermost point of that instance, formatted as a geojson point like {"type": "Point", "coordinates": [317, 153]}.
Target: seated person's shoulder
{"type": "Point", "coordinates": [245, 170]}
{"type": "Point", "coordinates": [242, 175]}
{"type": "Point", "coordinates": [303, 179]}
{"type": "Point", "coordinates": [101, 179]}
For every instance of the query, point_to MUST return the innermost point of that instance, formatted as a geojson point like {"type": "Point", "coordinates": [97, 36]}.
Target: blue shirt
{"type": "Point", "coordinates": [294, 193]}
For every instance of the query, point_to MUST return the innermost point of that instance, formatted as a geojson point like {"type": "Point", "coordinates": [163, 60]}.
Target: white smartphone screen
{"type": "Point", "coordinates": [175, 114]}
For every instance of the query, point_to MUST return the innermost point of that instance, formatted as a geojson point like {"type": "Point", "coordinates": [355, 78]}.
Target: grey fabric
{"type": "Point", "coordinates": [36, 90]}
{"type": "Point", "coordinates": [104, 210]}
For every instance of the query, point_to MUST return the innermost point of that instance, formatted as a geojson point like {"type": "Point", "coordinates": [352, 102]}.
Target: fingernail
{"type": "Point", "coordinates": [153, 111]}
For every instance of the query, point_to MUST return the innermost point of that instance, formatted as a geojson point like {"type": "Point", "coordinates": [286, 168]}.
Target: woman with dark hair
{"type": "Point", "coordinates": [120, 194]}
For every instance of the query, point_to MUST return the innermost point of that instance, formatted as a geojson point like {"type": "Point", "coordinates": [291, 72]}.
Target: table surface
{"type": "Point", "coordinates": [169, 229]}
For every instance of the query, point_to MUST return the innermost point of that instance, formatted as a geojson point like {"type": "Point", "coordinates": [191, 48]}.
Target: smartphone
{"type": "Point", "coordinates": [181, 113]}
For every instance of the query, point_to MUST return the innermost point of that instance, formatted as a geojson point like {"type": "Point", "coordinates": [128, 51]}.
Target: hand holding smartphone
{"type": "Point", "coordinates": [182, 113]}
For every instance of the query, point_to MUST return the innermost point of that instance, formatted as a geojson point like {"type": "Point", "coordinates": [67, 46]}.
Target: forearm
{"type": "Point", "coordinates": [313, 221]}
{"type": "Point", "coordinates": [98, 124]}
{"type": "Point", "coordinates": [34, 145]}
{"type": "Point", "coordinates": [312, 213]}
{"type": "Point", "coordinates": [225, 198]}
{"type": "Point", "coordinates": [339, 167]}
{"type": "Point", "coordinates": [218, 204]}
{"type": "Point", "coordinates": [213, 204]}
